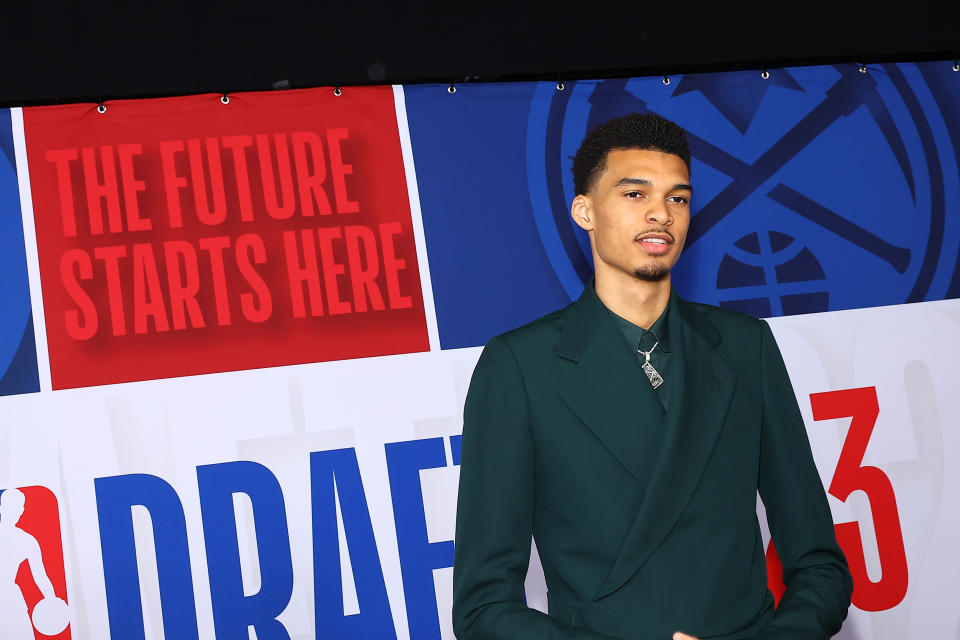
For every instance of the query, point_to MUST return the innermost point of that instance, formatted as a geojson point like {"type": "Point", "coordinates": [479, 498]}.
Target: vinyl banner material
{"type": "Point", "coordinates": [882, 425]}
{"type": "Point", "coordinates": [188, 236]}
{"type": "Point", "coordinates": [18, 355]}
{"type": "Point", "coordinates": [816, 189]}
{"type": "Point", "coordinates": [318, 500]}
{"type": "Point", "coordinates": [238, 332]}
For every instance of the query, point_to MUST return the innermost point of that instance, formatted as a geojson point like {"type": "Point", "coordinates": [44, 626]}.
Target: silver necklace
{"type": "Point", "coordinates": [652, 374]}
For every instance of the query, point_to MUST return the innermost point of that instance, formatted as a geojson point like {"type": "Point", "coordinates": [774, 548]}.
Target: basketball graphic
{"type": "Point", "coordinates": [775, 264]}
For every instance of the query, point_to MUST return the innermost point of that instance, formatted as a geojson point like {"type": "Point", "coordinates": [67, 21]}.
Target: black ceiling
{"type": "Point", "coordinates": [91, 51]}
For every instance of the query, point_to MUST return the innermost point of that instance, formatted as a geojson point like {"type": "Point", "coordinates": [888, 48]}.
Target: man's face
{"type": "Point", "coordinates": [637, 214]}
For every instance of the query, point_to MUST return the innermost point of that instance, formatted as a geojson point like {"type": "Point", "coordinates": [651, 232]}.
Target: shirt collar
{"type": "Point", "coordinates": [632, 333]}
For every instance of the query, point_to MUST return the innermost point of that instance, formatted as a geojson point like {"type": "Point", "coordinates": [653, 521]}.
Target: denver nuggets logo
{"type": "Point", "coordinates": [819, 188]}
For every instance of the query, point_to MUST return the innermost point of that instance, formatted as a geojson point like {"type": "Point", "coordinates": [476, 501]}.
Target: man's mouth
{"type": "Point", "coordinates": [655, 244]}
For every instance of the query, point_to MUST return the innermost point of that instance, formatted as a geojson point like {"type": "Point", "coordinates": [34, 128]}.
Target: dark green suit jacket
{"type": "Point", "coordinates": [645, 522]}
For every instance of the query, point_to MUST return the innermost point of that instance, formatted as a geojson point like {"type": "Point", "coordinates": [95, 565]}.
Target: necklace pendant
{"type": "Point", "coordinates": [652, 374]}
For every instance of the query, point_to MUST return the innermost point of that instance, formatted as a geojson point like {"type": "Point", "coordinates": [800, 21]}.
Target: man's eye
{"type": "Point", "coordinates": [633, 195]}
{"type": "Point", "coordinates": [681, 199]}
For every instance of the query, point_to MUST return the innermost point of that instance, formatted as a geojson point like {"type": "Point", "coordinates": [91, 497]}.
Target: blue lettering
{"type": "Point", "coordinates": [116, 496]}
{"type": "Point", "coordinates": [336, 474]}
{"type": "Point", "coordinates": [418, 556]}
{"type": "Point", "coordinates": [233, 612]}
{"type": "Point", "coordinates": [455, 448]}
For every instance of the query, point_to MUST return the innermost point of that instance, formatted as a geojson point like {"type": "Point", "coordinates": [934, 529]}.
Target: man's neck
{"type": "Point", "coordinates": [639, 301]}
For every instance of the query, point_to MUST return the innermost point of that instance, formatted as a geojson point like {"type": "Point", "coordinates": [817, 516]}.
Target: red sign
{"type": "Point", "coordinates": [185, 235]}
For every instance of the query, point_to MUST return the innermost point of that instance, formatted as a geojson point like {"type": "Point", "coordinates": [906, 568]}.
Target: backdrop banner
{"type": "Point", "coordinates": [18, 353]}
{"type": "Point", "coordinates": [817, 189]}
{"type": "Point", "coordinates": [257, 316]}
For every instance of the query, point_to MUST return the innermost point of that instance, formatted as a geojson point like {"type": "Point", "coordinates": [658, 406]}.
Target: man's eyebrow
{"type": "Point", "coordinates": [646, 183]}
{"type": "Point", "coordinates": [625, 181]}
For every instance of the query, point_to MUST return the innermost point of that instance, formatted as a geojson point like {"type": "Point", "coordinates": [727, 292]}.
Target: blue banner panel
{"type": "Point", "coordinates": [18, 350]}
{"type": "Point", "coordinates": [489, 269]}
{"type": "Point", "coordinates": [816, 189]}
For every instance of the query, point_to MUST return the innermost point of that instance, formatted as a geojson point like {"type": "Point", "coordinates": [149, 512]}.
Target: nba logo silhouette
{"type": "Point", "coordinates": [33, 589]}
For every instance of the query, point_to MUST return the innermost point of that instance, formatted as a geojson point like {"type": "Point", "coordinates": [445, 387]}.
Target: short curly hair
{"type": "Point", "coordinates": [632, 131]}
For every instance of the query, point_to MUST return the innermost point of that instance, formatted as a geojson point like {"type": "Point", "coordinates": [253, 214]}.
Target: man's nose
{"type": "Point", "coordinates": [659, 215]}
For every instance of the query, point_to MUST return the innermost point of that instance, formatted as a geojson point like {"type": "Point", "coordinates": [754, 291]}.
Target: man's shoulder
{"type": "Point", "coordinates": [728, 323]}
{"type": "Point", "coordinates": [537, 334]}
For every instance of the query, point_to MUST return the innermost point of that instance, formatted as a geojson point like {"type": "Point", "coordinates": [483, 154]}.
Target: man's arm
{"type": "Point", "coordinates": [814, 569]}
{"type": "Point", "coordinates": [495, 510]}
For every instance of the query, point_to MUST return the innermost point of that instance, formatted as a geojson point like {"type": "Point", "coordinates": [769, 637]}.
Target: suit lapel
{"type": "Point", "coordinates": [690, 433]}
{"type": "Point", "coordinates": [603, 384]}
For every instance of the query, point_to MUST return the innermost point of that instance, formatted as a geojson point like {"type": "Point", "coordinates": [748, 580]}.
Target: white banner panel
{"type": "Point", "coordinates": [907, 356]}
{"type": "Point", "coordinates": [323, 495]}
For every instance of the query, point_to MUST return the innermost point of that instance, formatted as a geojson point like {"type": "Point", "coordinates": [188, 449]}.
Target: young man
{"type": "Point", "coordinates": [629, 434]}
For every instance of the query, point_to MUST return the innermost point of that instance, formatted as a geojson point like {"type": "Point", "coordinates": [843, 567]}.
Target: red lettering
{"type": "Point", "coordinates": [131, 186]}
{"type": "Point", "coordinates": [393, 265]}
{"type": "Point", "coordinates": [256, 306]}
{"type": "Point", "coordinates": [184, 283]}
{"type": "Point", "coordinates": [80, 323]}
{"type": "Point", "coordinates": [775, 574]}
{"type": "Point", "coordinates": [215, 247]}
{"type": "Point", "coordinates": [331, 269]}
{"type": "Point", "coordinates": [68, 215]}
{"type": "Point", "coordinates": [311, 184]}
{"type": "Point", "coordinates": [111, 262]}
{"type": "Point", "coordinates": [286, 205]}
{"type": "Point", "coordinates": [217, 212]}
{"type": "Point", "coordinates": [861, 405]}
{"type": "Point", "coordinates": [340, 170]}
{"type": "Point", "coordinates": [172, 181]}
{"type": "Point", "coordinates": [238, 146]}
{"type": "Point", "coordinates": [298, 275]}
{"type": "Point", "coordinates": [106, 190]}
{"type": "Point", "coordinates": [362, 239]}
{"type": "Point", "coordinates": [147, 292]}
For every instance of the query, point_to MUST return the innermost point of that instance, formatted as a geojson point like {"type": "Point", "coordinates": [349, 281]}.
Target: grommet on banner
{"type": "Point", "coordinates": [560, 86]}
{"type": "Point", "coordinates": [451, 88]}
{"type": "Point", "coordinates": [765, 74]}
{"type": "Point", "coordinates": [337, 91]}
{"type": "Point", "coordinates": [956, 65]}
{"type": "Point", "coordinates": [225, 99]}
{"type": "Point", "coordinates": [101, 108]}
{"type": "Point", "coordinates": [862, 68]}
{"type": "Point", "coordinates": [666, 81]}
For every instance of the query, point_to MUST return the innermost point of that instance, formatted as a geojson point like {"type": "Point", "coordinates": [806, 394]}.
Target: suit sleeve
{"type": "Point", "coordinates": [815, 571]}
{"type": "Point", "coordinates": [495, 510]}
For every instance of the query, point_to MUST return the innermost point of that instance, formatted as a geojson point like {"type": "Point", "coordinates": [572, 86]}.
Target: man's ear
{"type": "Point", "coordinates": [582, 213]}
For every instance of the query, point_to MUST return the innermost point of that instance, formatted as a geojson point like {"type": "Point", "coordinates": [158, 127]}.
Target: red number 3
{"type": "Point", "coordinates": [849, 476]}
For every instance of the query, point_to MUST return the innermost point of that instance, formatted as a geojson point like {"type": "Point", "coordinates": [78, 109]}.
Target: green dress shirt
{"type": "Point", "coordinates": [658, 334]}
